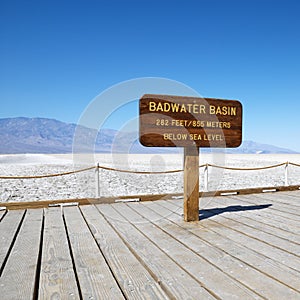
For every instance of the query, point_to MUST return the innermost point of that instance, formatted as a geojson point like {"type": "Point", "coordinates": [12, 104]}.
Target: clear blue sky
{"type": "Point", "coordinates": [56, 56]}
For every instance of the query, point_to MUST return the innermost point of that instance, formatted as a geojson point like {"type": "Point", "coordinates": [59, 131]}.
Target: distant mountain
{"type": "Point", "coordinates": [41, 135]}
{"type": "Point", "coordinates": [35, 135]}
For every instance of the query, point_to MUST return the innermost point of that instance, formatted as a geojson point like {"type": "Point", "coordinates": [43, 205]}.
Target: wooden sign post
{"type": "Point", "coordinates": [190, 122]}
{"type": "Point", "coordinates": [191, 184]}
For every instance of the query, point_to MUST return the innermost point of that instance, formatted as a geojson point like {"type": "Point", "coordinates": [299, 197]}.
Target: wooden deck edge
{"type": "Point", "coordinates": [109, 200]}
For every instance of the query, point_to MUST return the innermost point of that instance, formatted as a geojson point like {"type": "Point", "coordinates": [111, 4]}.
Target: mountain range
{"type": "Point", "coordinates": [41, 135]}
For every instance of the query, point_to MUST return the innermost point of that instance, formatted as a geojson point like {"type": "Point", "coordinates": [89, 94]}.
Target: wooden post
{"type": "Point", "coordinates": [97, 181]}
{"type": "Point", "coordinates": [286, 174]}
{"type": "Point", "coordinates": [191, 184]}
{"type": "Point", "coordinates": [206, 178]}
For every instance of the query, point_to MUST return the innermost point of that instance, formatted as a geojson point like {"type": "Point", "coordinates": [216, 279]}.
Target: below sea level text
{"type": "Point", "coordinates": [193, 137]}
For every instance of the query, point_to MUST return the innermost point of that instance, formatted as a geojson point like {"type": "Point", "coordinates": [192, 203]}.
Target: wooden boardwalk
{"type": "Point", "coordinates": [244, 247]}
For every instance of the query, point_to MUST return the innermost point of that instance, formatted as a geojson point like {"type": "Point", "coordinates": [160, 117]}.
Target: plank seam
{"type": "Point", "coordinates": [12, 243]}
{"type": "Point", "coordinates": [39, 261]}
{"type": "Point", "coordinates": [281, 205]}
{"type": "Point", "coordinates": [265, 223]}
{"type": "Point", "coordinates": [72, 256]}
{"type": "Point", "coordinates": [272, 208]}
{"type": "Point", "coordinates": [266, 232]}
{"type": "Point", "coordinates": [246, 263]}
{"type": "Point", "coordinates": [231, 228]}
{"type": "Point", "coordinates": [273, 212]}
{"type": "Point", "coordinates": [267, 217]}
{"type": "Point", "coordinates": [220, 269]}
{"type": "Point", "coordinates": [2, 216]}
{"type": "Point", "coordinates": [152, 274]}
{"type": "Point", "coordinates": [258, 239]}
{"type": "Point", "coordinates": [190, 274]}
{"type": "Point", "coordinates": [278, 262]}
{"type": "Point", "coordinates": [103, 255]}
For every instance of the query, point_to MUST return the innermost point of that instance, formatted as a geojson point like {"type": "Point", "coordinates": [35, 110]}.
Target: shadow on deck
{"type": "Point", "coordinates": [207, 213]}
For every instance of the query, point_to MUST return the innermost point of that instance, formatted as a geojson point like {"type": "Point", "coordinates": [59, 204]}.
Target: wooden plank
{"type": "Point", "coordinates": [244, 271]}
{"type": "Point", "coordinates": [274, 199]}
{"type": "Point", "coordinates": [172, 278]}
{"type": "Point", "coordinates": [270, 239]}
{"type": "Point", "coordinates": [275, 214]}
{"type": "Point", "coordinates": [258, 212]}
{"type": "Point", "coordinates": [286, 198]}
{"type": "Point", "coordinates": [255, 280]}
{"type": "Point", "coordinates": [208, 275]}
{"type": "Point", "coordinates": [94, 275]}
{"type": "Point", "coordinates": [231, 229]}
{"type": "Point", "coordinates": [135, 281]}
{"type": "Point", "coordinates": [260, 246]}
{"type": "Point", "coordinates": [57, 277]}
{"type": "Point", "coordinates": [8, 229]}
{"type": "Point", "coordinates": [293, 196]}
{"type": "Point", "coordinates": [191, 184]}
{"type": "Point", "coordinates": [247, 256]}
{"type": "Point", "coordinates": [264, 225]}
{"type": "Point", "coordinates": [279, 200]}
{"type": "Point", "coordinates": [19, 276]}
{"type": "Point", "coordinates": [293, 211]}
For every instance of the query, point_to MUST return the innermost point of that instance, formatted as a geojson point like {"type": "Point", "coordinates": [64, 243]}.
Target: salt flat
{"type": "Point", "coordinates": [114, 183]}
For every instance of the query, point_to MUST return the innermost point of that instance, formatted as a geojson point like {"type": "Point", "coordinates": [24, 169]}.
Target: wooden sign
{"type": "Point", "coordinates": [176, 121]}
{"type": "Point", "coordinates": [189, 122]}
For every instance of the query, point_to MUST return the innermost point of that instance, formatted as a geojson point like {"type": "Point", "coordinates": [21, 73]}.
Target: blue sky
{"type": "Point", "coordinates": [56, 56]}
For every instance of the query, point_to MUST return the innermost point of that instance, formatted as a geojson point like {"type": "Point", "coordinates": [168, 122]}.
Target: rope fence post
{"type": "Point", "coordinates": [286, 174]}
{"type": "Point", "coordinates": [206, 178]}
{"type": "Point", "coordinates": [97, 181]}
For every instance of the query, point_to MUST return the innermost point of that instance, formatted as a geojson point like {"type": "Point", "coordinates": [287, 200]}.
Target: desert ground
{"type": "Point", "coordinates": [113, 183]}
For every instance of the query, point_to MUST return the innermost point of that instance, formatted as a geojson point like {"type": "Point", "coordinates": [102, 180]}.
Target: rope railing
{"type": "Point", "coordinates": [147, 172]}
{"type": "Point", "coordinates": [139, 172]}
{"type": "Point", "coordinates": [206, 166]}
{"type": "Point", "coordinates": [249, 169]}
{"type": "Point", "coordinates": [47, 175]}
{"type": "Point", "coordinates": [293, 164]}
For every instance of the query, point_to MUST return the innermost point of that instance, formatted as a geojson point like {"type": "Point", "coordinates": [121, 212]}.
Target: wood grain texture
{"type": "Point", "coordinates": [191, 184]}
{"type": "Point", "coordinates": [268, 223]}
{"type": "Point", "coordinates": [57, 277]}
{"type": "Point", "coordinates": [204, 260]}
{"type": "Point", "coordinates": [285, 216]}
{"type": "Point", "coordinates": [173, 279]}
{"type": "Point", "coordinates": [94, 275]}
{"type": "Point", "coordinates": [19, 275]}
{"type": "Point", "coordinates": [8, 229]}
{"type": "Point", "coordinates": [268, 259]}
{"type": "Point", "coordinates": [237, 261]}
{"type": "Point", "coordinates": [135, 281]}
{"type": "Point", "coordinates": [152, 131]}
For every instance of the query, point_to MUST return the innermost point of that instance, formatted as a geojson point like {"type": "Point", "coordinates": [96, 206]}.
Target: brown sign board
{"type": "Point", "coordinates": [177, 121]}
